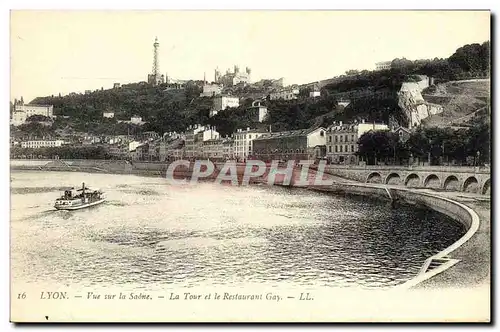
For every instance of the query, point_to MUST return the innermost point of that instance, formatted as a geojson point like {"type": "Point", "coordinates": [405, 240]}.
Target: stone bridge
{"type": "Point", "coordinates": [452, 178]}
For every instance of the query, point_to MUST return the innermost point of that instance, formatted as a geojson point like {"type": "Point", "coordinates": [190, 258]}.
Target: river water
{"type": "Point", "coordinates": [155, 234]}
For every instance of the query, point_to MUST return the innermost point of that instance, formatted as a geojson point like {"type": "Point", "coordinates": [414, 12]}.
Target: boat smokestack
{"type": "Point", "coordinates": [83, 192]}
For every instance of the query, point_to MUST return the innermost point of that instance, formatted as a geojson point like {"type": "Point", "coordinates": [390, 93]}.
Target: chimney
{"type": "Point", "coordinates": [340, 123]}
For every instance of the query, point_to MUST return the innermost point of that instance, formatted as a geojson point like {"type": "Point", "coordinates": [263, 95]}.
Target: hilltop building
{"type": "Point", "coordinates": [288, 93]}
{"type": "Point", "coordinates": [210, 90]}
{"type": "Point", "coordinates": [233, 78]}
{"type": "Point", "coordinates": [23, 111]}
{"type": "Point", "coordinates": [384, 65]}
{"type": "Point", "coordinates": [108, 114]}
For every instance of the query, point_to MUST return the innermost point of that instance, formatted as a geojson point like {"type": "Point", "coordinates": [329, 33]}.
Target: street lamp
{"type": "Point", "coordinates": [429, 153]}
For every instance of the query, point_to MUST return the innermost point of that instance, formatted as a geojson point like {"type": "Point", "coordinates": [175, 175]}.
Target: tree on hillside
{"type": "Point", "coordinates": [37, 118]}
{"type": "Point", "coordinates": [472, 58]}
{"type": "Point", "coordinates": [379, 145]}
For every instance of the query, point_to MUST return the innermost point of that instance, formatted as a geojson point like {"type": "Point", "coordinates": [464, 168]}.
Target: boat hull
{"type": "Point", "coordinates": [80, 206]}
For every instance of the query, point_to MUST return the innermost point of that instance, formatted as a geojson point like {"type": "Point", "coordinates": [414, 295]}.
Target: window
{"type": "Point", "coordinates": [336, 148]}
{"type": "Point", "coordinates": [341, 138]}
{"type": "Point", "coordinates": [330, 139]}
{"type": "Point", "coordinates": [330, 148]}
{"type": "Point", "coordinates": [352, 138]}
{"type": "Point", "coordinates": [321, 133]}
{"type": "Point", "coordinates": [352, 148]}
{"type": "Point", "coordinates": [336, 138]}
{"type": "Point", "coordinates": [341, 148]}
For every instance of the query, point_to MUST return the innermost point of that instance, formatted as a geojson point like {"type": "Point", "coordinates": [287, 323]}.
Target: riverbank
{"type": "Point", "coordinates": [466, 263]}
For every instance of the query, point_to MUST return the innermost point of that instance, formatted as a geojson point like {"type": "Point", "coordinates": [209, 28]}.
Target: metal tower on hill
{"type": "Point", "coordinates": [156, 65]}
{"type": "Point", "coordinates": [155, 78]}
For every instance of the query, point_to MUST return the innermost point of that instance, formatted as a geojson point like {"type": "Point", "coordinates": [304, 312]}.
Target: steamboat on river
{"type": "Point", "coordinates": [79, 199]}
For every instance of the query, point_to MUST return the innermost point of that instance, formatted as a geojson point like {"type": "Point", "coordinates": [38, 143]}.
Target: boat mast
{"type": "Point", "coordinates": [83, 192]}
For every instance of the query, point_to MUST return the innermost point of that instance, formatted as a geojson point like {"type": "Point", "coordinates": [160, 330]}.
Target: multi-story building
{"type": "Point", "coordinates": [22, 112]}
{"type": "Point", "coordinates": [133, 145]}
{"type": "Point", "coordinates": [172, 149]}
{"type": "Point", "coordinates": [243, 142]}
{"type": "Point", "coordinates": [228, 148]}
{"type": "Point", "coordinates": [195, 136]}
{"type": "Point", "coordinates": [258, 111]}
{"type": "Point", "coordinates": [315, 91]}
{"type": "Point", "coordinates": [211, 90]}
{"type": "Point", "coordinates": [342, 140]}
{"type": "Point", "coordinates": [42, 144]}
{"type": "Point", "coordinates": [136, 120]}
{"type": "Point", "coordinates": [218, 149]}
{"type": "Point", "coordinates": [222, 102]}
{"type": "Point", "coordinates": [288, 93]}
{"type": "Point", "coordinates": [384, 65]}
{"type": "Point", "coordinates": [118, 150]}
{"type": "Point", "coordinates": [403, 133]}
{"type": "Point", "coordinates": [303, 144]}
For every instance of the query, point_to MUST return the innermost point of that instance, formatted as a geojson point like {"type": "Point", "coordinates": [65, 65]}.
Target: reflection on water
{"type": "Point", "coordinates": [152, 233]}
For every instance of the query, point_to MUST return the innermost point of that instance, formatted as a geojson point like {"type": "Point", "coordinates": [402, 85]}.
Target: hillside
{"type": "Point", "coordinates": [373, 96]}
{"type": "Point", "coordinates": [461, 101]}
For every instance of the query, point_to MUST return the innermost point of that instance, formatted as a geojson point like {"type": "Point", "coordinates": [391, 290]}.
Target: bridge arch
{"type": "Point", "coordinates": [412, 180]}
{"type": "Point", "coordinates": [432, 181]}
{"type": "Point", "coordinates": [471, 185]}
{"type": "Point", "coordinates": [393, 178]}
{"type": "Point", "coordinates": [486, 187]}
{"type": "Point", "coordinates": [451, 183]}
{"type": "Point", "coordinates": [374, 177]}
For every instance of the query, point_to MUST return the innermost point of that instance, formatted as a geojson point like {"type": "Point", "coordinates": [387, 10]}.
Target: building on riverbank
{"type": "Point", "coordinates": [303, 144]}
{"type": "Point", "coordinates": [194, 138]}
{"type": "Point", "coordinates": [243, 142]}
{"type": "Point", "coordinates": [42, 144]}
{"type": "Point", "coordinates": [342, 140]}
{"type": "Point", "coordinates": [218, 149]}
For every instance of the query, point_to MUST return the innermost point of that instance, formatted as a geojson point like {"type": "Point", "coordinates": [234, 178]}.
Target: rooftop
{"type": "Point", "coordinates": [290, 133]}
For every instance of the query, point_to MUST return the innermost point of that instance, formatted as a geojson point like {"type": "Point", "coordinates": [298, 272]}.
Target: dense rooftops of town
{"type": "Point", "coordinates": [340, 126]}
{"type": "Point", "coordinates": [250, 131]}
{"type": "Point", "coordinates": [289, 133]}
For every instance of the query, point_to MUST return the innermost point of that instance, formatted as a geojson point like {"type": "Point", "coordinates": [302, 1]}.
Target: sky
{"type": "Point", "coordinates": [56, 52]}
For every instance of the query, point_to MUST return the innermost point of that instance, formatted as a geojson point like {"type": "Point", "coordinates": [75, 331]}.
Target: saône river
{"type": "Point", "coordinates": [155, 234]}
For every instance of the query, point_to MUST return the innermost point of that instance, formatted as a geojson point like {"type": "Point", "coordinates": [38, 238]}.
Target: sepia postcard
{"type": "Point", "coordinates": [250, 166]}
